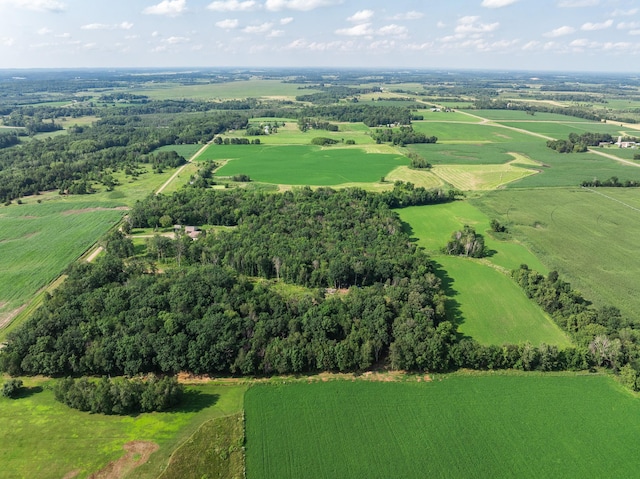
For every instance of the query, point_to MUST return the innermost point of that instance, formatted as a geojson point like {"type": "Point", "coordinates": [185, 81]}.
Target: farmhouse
{"type": "Point", "coordinates": [192, 231]}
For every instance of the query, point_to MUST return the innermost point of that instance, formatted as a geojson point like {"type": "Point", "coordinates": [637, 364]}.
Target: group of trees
{"type": "Point", "coordinates": [466, 242]}
{"type": "Point", "coordinates": [613, 182]}
{"type": "Point", "coordinates": [405, 135]}
{"type": "Point", "coordinates": [305, 124]}
{"type": "Point", "coordinates": [8, 139]}
{"type": "Point", "coordinates": [579, 143]}
{"type": "Point", "coordinates": [218, 140]}
{"type": "Point", "coordinates": [370, 115]}
{"type": "Point", "coordinates": [121, 395]}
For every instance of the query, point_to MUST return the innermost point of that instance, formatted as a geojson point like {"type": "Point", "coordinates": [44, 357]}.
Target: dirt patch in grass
{"type": "Point", "coordinates": [138, 452]}
{"type": "Point", "coordinates": [90, 210]}
{"type": "Point", "coordinates": [6, 318]}
{"type": "Point", "coordinates": [71, 474]}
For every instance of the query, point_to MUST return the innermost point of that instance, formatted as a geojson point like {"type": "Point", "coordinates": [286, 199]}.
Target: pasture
{"type": "Point", "coordinates": [50, 440]}
{"type": "Point", "coordinates": [589, 237]}
{"type": "Point", "coordinates": [303, 165]}
{"type": "Point", "coordinates": [455, 426]}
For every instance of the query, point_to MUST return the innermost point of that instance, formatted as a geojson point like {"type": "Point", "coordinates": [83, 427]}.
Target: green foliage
{"type": "Point", "coordinates": [323, 141]}
{"type": "Point", "coordinates": [119, 396]}
{"type": "Point", "coordinates": [402, 136]}
{"type": "Point", "coordinates": [11, 388]}
{"type": "Point", "coordinates": [612, 182]}
{"type": "Point", "coordinates": [452, 427]}
{"type": "Point", "coordinates": [466, 242]}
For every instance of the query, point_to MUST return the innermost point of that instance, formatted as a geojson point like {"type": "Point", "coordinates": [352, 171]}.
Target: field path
{"type": "Point", "coordinates": [94, 254]}
{"type": "Point", "coordinates": [613, 157]}
{"type": "Point", "coordinates": [179, 170]}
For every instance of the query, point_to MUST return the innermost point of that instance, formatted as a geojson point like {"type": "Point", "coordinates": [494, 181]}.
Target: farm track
{"type": "Point", "coordinates": [179, 170]}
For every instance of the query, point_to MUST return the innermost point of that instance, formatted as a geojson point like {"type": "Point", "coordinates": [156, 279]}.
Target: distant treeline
{"type": "Point", "coordinates": [405, 135]}
{"type": "Point", "coordinates": [612, 182]}
{"type": "Point", "coordinates": [579, 143]}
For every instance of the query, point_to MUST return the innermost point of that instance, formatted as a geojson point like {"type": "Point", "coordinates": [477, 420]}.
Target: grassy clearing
{"type": "Point", "coordinates": [480, 177]}
{"type": "Point", "coordinates": [589, 238]}
{"type": "Point", "coordinates": [303, 165]}
{"type": "Point", "coordinates": [46, 439]}
{"type": "Point", "coordinates": [489, 307]}
{"type": "Point", "coordinates": [424, 178]}
{"type": "Point", "coordinates": [216, 450]}
{"type": "Point", "coordinates": [474, 427]}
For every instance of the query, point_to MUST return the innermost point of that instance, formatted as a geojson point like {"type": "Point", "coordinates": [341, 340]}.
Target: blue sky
{"type": "Point", "coordinates": [565, 35]}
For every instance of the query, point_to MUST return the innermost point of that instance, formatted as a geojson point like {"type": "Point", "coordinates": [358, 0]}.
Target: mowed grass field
{"type": "Point", "coordinates": [482, 299]}
{"type": "Point", "coordinates": [50, 440]}
{"type": "Point", "coordinates": [473, 427]}
{"type": "Point", "coordinates": [589, 237]}
{"type": "Point", "coordinates": [303, 165]}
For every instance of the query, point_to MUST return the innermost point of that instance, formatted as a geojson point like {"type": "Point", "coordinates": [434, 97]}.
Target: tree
{"type": "Point", "coordinates": [466, 242]}
{"type": "Point", "coordinates": [11, 388]}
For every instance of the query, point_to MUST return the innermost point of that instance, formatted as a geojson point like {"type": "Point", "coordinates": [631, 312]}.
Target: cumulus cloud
{"type": "Point", "coordinates": [177, 40]}
{"type": "Point", "coordinates": [286, 21]}
{"type": "Point", "coordinates": [560, 32]}
{"type": "Point", "coordinates": [102, 26]}
{"type": "Point", "coordinates": [256, 29]}
{"type": "Point", "coordinates": [497, 3]}
{"type": "Point", "coordinates": [393, 30]}
{"type": "Point", "coordinates": [36, 5]}
{"type": "Point", "coordinates": [356, 31]}
{"type": "Point", "coordinates": [170, 8]}
{"type": "Point", "coordinates": [228, 24]}
{"type": "Point", "coordinates": [624, 13]}
{"type": "Point", "coordinates": [412, 15]}
{"type": "Point", "coordinates": [589, 27]}
{"type": "Point", "coordinates": [45, 31]}
{"type": "Point", "coordinates": [233, 6]}
{"type": "Point", "coordinates": [471, 24]}
{"type": "Point", "coordinates": [628, 25]}
{"type": "Point", "coordinates": [362, 16]}
{"type": "Point", "coordinates": [275, 33]}
{"type": "Point", "coordinates": [300, 5]}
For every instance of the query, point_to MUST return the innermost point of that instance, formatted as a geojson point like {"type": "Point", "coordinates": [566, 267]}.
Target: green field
{"type": "Point", "coordinates": [562, 130]}
{"type": "Point", "coordinates": [499, 115]}
{"type": "Point", "coordinates": [37, 241]}
{"type": "Point", "coordinates": [186, 151]}
{"type": "Point", "coordinates": [471, 132]}
{"type": "Point", "coordinates": [50, 440]}
{"type": "Point", "coordinates": [481, 298]}
{"type": "Point", "coordinates": [590, 239]}
{"type": "Point", "coordinates": [303, 165]}
{"type": "Point", "coordinates": [290, 134]}
{"type": "Point", "coordinates": [472, 427]}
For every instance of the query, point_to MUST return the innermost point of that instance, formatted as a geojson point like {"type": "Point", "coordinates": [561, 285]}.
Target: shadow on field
{"type": "Point", "coordinates": [451, 305]}
{"type": "Point", "coordinates": [406, 228]}
{"type": "Point", "coordinates": [24, 392]}
{"type": "Point", "coordinates": [195, 401]}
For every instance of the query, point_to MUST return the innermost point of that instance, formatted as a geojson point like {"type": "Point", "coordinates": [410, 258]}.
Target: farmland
{"type": "Point", "coordinates": [67, 440]}
{"type": "Point", "coordinates": [484, 426]}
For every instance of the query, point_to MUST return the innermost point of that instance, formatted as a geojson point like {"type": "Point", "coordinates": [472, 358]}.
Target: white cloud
{"type": "Point", "coordinates": [170, 8]}
{"type": "Point", "coordinates": [275, 33]}
{"type": "Point", "coordinates": [45, 31]}
{"type": "Point", "coordinates": [580, 43]}
{"type": "Point", "coordinates": [36, 5]}
{"type": "Point", "coordinates": [561, 31]}
{"type": "Point", "coordinates": [7, 41]}
{"type": "Point", "coordinates": [624, 13]}
{"type": "Point", "coordinates": [589, 27]}
{"type": "Point", "coordinates": [497, 3]}
{"type": "Point", "coordinates": [300, 5]}
{"type": "Point", "coordinates": [320, 46]}
{"type": "Point", "coordinates": [356, 31]}
{"type": "Point", "coordinates": [256, 29]}
{"type": "Point", "coordinates": [628, 25]}
{"type": "Point", "coordinates": [228, 24]}
{"type": "Point", "coordinates": [233, 6]}
{"type": "Point", "coordinates": [441, 24]}
{"type": "Point", "coordinates": [634, 32]}
{"type": "Point", "coordinates": [63, 35]}
{"type": "Point", "coordinates": [177, 40]}
{"type": "Point", "coordinates": [102, 26]}
{"type": "Point", "coordinates": [393, 30]}
{"type": "Point", "coordinates": [532, 45]}
{"type": "Point", "coordinates": [286, 21]}
{"type": "Point", "coordinates": [578, 3]}
{"type": "Point", "coordinates": [412, 15]}
{"type": "Point", "coordinates": [470, 24]}
{"type": "Point", "coordinates": [362, 16]}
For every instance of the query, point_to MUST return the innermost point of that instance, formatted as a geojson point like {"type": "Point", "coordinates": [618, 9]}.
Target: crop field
{"type": "Point", "coordinates": [186, 151]}
{"type": "Point", "coordinates": [471, 132]}
{"type": "Point", "coordinates": [50, 440]}
{"type": "Point", "coordinates": [480, 177]}
{"type": "Point", "coordinates": [475, 153]}
{"type": "Point", "coordinates": [489, 307]}
{"type": "Point", "coordinates": [473, 427]}
{"type": "Point", "coordinates": [290, 134]}
{"type": "Point", "coordinates": [222, 91]}
{"type": "Point", "coordinates": [37, 241]}
{"type": "Point", "coordinates": [500, 115]}
{"type": "Point", "coordinates": [589, 237]}
{"type": "Point", "coordinates": [424, 178]}
{"type": "Point", "coordinates": [562, 130]}
{"type": "Point", "coordinates": [444, 117]}
{"type": "Point", "coordinates": [303, 165]}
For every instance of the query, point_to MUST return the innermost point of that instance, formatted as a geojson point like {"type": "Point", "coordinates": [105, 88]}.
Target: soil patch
{"type": "Point", "coordinates": [71, 474]}
{"type": "Point", "coordinates": [138, 452]}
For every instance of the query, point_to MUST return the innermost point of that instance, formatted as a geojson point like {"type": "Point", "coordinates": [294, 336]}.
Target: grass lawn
{"type": "Point", "coordinates": [45, 439]}
{"type": "Point", "coordinates": [474, 427]}
{"type": "Point", "coordinates": [590, 239]}
{"type": "Point", "coordinates": [303, 165]}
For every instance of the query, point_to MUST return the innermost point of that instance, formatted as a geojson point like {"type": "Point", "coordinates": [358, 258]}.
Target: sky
{"type": "Point", "coordinates": [546, 35]}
